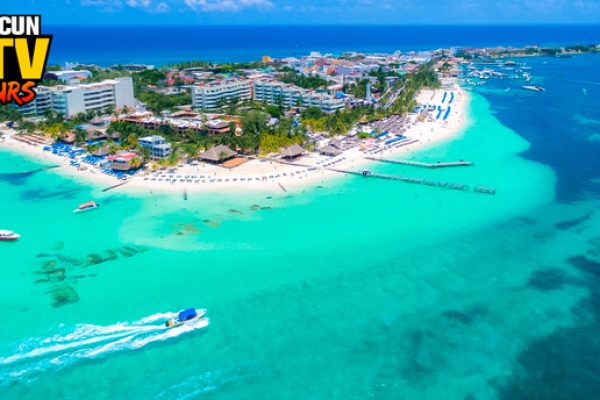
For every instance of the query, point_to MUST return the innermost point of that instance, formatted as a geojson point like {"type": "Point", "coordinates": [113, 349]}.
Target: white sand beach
{"type": "Point", "coordinates": [270, 174]}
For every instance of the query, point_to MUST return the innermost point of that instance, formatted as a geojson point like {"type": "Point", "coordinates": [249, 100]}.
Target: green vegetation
{"type": "Point", "coordinates": [9, 114]}
{"type": "Point", "coordinates": [157, 102]}
{"type": "Point", "coordinates": [256, 135]}
{"type": "Point", "coordinates": [306, 82]}
{"type": "Point", "coordinates": [336, 124]}
{"type": "Point", "coordinates": [425, 76]}
{"type": "Point", "coordinates": [218, 68]}
{"type": "Point", "coordinates": [359, 90]}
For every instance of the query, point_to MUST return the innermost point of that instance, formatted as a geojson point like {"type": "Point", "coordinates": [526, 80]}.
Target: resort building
{"type": "Point", "coordinates": [159, 148]}
{"type": "Point", "coordinates": [217, 127]}
{"type": "Point", "coordinates": [273, 92]}
{"type": "Point", "coordinates": [68, 76]}
{"type": "Point", "coordinates": [215, 94]}
{"type": "Point", "coordinates": [73, 99]}
{"type": "Point", "coordinates": [123, 161]}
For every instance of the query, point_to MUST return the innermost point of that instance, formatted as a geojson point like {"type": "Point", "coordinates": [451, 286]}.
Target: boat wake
{"type": "Point", "coordinates": [85, 342]}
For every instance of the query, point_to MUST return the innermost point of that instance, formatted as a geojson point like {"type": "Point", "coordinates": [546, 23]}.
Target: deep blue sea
{"type": "Point", "coordinates": [167, 44]}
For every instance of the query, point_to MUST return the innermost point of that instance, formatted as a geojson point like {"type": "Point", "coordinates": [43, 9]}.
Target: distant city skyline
{"type": "Point", "coordinates": [282, 12]}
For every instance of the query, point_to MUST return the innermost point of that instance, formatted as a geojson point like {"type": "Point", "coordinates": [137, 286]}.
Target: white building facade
{"type": "Point", "coordinates": [273, 92]}
{"type": "Point", "coordinates": [159, 148]}
{"type": "Point", "coordinates": [215, 94]}
{"type": "Point", "coordinates": [73, 99]}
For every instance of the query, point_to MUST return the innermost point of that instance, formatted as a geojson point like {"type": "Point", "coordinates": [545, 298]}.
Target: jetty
{"type": "Point", "coordinates": [419, 181]}
{"type": "Point", "coordinates": [422, 164]}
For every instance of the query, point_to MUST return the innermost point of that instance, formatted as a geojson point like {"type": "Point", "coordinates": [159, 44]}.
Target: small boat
{"type": "Point", "coordinates": [7, 236]}
{"type": "Point", "coordinates": [90, 205]}
{"type": "Point", "coordinates": [185, 316]}
{"type": "Point", "coordinates": [535, 88]}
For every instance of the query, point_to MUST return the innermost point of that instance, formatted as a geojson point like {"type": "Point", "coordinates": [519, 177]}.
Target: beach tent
{"type": "Point", "coordinates": [329, 150]}
{"type": "Point", "coordinates": [218, 154]}
{"type": "Point", "coordinates": [292, 151]}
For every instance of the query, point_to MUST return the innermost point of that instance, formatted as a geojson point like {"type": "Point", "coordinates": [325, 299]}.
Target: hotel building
{"type": "Point", "coordinates": [159, 148]}
{"type": "Point", "coordinates": [73, 99]}
{"type": "Point", "coordinates": [272, 92]}
{"type": "Point", "coordinates": [213, 94]}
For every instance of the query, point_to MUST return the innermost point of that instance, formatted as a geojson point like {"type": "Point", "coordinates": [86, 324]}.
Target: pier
{"type": "Point", "coordinates": [419, 181]}
{"type": "Point", "coordinates": [422, 164]}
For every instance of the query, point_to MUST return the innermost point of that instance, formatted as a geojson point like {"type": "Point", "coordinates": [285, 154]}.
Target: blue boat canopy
{"type": "Point", "coordinates": [188, 314]}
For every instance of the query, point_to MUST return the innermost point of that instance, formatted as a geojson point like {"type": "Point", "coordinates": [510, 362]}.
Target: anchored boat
{"type": "Point", "coordinates": [90, 205]}
{"type": "Point", "coordinates": [7, 236]}
{"type": "Point", "coordinates": [185, 316]}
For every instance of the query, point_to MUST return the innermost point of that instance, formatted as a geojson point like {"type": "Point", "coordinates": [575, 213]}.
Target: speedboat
{"type": "Point", "coordinates": [535, 88]}
{"type": "Point", "coordinates": [8, 235]}
{"type": "Point", "coordinates": [186, 316]}
{"type": "Point", "coordinates": [90, 205]}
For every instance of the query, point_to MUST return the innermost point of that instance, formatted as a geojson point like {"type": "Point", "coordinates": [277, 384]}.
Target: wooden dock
{"type": "Point", "coordinates": [419, 181]}
{"type": "Point", "coordinates": [422, 164]}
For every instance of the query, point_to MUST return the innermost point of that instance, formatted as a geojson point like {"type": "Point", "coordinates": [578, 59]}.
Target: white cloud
{"type": "Point", "coordinates": [161, 7]}
{"type": "Point", "coordinates": [151, 6]}
{"type": "Point", "coordinates": [227, 5]}
{"type": "Point", "coordinates": [138, 3]}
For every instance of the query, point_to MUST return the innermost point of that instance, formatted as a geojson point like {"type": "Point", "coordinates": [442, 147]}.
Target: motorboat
{"type": "Point", "coordinates": [535, 88]}
{"type": "Point", "coordinates": [7, 236]}
{"type": "Point", "coordinates": [90, 205]}
{"type": "Point", "coordinates": [186, 316]}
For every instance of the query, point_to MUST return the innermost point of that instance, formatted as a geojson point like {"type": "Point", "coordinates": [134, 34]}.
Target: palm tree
{"type": "Point", "coordinates": [173, 157]}
{"type": "Point", "coordinates": [132, 141]}
{"type": "Point", "coordinates": [190, 150]}
{"type": "Point", "coordinates": [135, 163]}
{"type": "Point", "coordinates": [145, 153]}
{"type": "Point", "coordinates": [222, 155]}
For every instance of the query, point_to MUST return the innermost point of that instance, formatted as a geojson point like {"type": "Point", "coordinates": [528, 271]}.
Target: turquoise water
{"type": "Point", "coordinates": [358, 289]}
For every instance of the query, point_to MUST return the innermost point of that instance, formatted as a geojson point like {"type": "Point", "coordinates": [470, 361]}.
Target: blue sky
{"type": "Point", "coordinates": [280, 12]}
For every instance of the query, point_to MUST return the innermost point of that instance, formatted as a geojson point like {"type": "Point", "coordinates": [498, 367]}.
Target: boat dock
{"type": "Point", "coordinates": [422, 164]}
{"type": "Point", "coordinates": [420, 181]}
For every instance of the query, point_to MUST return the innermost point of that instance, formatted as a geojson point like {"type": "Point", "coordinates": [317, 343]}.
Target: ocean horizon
{"type": "Point", "coordinates": [347, 288]}
{"type": "Point", "coordinates": [166, 44]}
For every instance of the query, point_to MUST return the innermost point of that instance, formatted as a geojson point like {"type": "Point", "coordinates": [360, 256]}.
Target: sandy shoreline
{"type": "Point", "coordinates": [266, 175]}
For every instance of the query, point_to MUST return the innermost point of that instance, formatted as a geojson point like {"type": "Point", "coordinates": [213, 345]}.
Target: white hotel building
{"type": "Point", "coordinates": [73, 99]}
{"type": "Point", "coordinates": [273, 91]}
{"type": "Point", "coordinates": [212, 94]}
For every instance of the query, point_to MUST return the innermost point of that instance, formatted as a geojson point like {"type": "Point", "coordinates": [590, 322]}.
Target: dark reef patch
{"type": "Point", "coordinates": [57, 269]}
{"type": "Point", "coordinates": [550, 279]}
{"type": "Point", "coordinates": [459, 316]}
{"type": "Point", "coordinates": [586, 265]}
{"type": "Point", "coordinates": [566, 363]}
{"type": "Point", "coordinates": [63, 295]}
{"type": "Point", "coordinates": [212, 224]}
{"type": "Point", "coordinates": [574, 222]}
{"type": "Point", "coordinates": [61, 191]}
